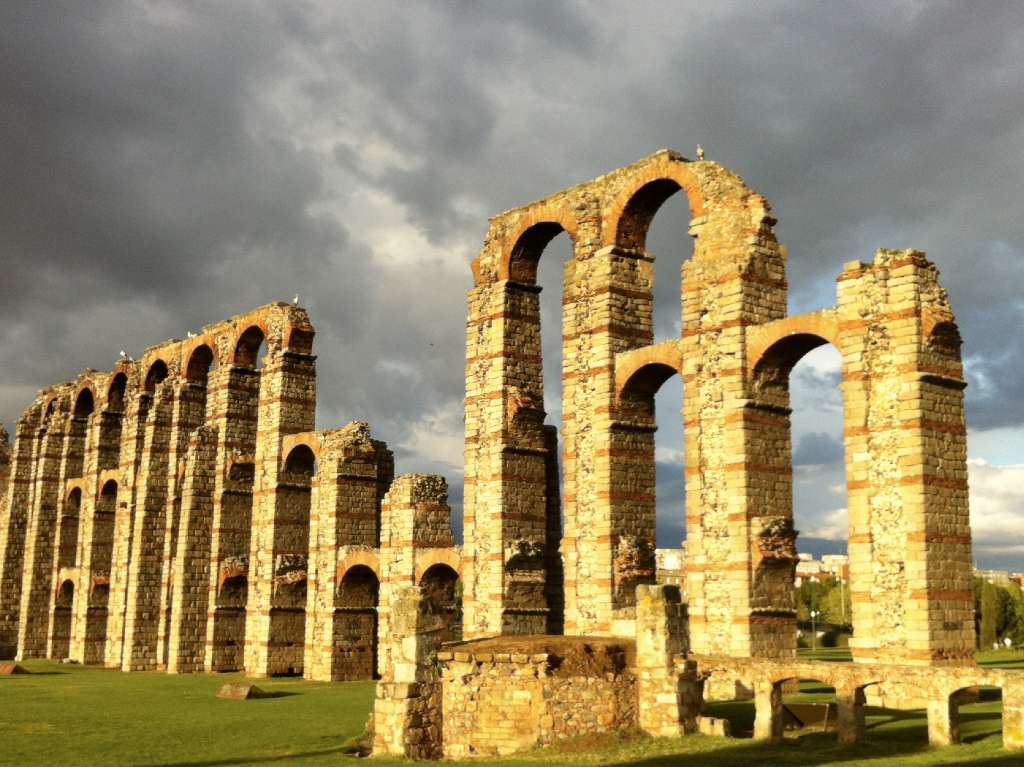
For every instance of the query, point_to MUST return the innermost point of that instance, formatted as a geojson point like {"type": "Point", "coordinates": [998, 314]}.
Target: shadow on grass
{"type": "Point", "coordinates": [280, 759]}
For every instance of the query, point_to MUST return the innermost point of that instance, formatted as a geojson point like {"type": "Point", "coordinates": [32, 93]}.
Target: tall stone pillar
{"type": "Point", "coordinates": [237, 389]}
{"type": "Point", "coordinates": [505, 508]}
{"type": "Point", "coordinates": [143, 587]}
{"type": "Point", "coordinates": [190, 582]}
{"type": "Point", "coordinates": [14, 526]}
{"type": "Point", "coordinates": [664, 708]}
{"type": "Point", "coordinates": [280, 523]}
{"type": "Point", "coordinates": [910, 545]}
{"type": "Point", "coordinates": [36, 578]}
{"type": "Point", "coordinates": [189, 414]}
{"type": "Point", "coordinates": [135, 404]}
{"type": "Point", "coordinates": [345, 517]}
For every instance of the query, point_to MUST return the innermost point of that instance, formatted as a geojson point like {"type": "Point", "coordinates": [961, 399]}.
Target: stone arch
{"type": "Point", "coordinates": [63, 617]}
{"type": "Point", "coordinates": [355, 638]}
{"type": "Point", "coordinates": [522, 248]}
{"type": "Point", "coordinates": [781, 344]}
{"type": "Point", "coordinates": [85, 400]}
{"type": "Point", "coordinates": [440, 587]}
{"type": "Point", "coordinates": [300, 463]}
{"type": "Point", "coordinates": [67, 551]}
{"type": "Point", "coordinates": [157, 373]}
{"type": "Point", "coordinates": [630, 214]}
{"type": "Point", "coordinates": [247, 346]}
{"type": "Point", "coordinates": [308, 439]}
{"type": "Point", "coordinates": [363, 558]}
{"type": "Point", "coordinates": [449, 558]}
{"type": "Point", "coordinates": [201, 359]}
{"type": "Point", "coordinates": [644, 371]}
{"type": "Point", "coordinates": [116, 392]}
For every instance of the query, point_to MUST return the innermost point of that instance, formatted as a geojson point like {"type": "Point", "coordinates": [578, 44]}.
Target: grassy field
{"type": "Point", "coordinates": [70, 715]}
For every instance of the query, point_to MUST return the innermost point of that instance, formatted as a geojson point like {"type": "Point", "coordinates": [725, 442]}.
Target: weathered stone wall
{"type": "Point", "coordinates": [159, 517]}
{"type": "Point", "coordinates": [497, 701]}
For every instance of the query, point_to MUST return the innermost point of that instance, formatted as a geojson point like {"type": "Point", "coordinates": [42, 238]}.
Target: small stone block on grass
{"type": "Point", "coordinates": [9, 669]}
{"type": "Point", "coordinates": [241, 692]}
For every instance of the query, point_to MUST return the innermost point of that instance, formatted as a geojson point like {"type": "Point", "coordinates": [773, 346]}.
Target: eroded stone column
{"type": "Point", "coordinates": [768, 724]}
{"type": "Point", "coordinates": [36, 577]}
{"type": "Point", "coordinates": [278, 561]}
{"type": "Point", "coordinates": [346, 517]}
{"type": "Point", "coordinates": [663, 709]}
{"type": "Point", "coordinates": [143, 587]}
{"type": "Point", "coordinates": [190, 583]}
{"type": "Point", "coordinates": [14, 526]}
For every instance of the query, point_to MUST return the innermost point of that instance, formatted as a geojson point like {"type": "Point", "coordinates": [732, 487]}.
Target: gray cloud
{"type": "Point", "coordinates": [167, 164]}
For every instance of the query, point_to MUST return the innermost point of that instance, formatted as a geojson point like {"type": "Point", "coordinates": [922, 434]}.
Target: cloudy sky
{"type": "Point", "coordinates": [168, 164]}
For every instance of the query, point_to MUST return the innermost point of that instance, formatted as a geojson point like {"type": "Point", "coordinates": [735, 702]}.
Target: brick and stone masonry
{"type": "Point", "coordinates": [181, 511]}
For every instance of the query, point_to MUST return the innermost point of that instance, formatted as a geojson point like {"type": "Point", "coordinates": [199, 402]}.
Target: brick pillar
{"type": "Point", "coordinates": [943, 721]}
{"type": "Point", "coordinates": [36, 582]}
{"type": "Point", "coordinates": [664, 710]}
{"type": "Point", "coordinates": [96, 543]}
{"type": "Point", "coordinates": [345, 516]}
{"type": "Point", "coordinates": [505, 506]}
{"type": "Point", "coordinates": [190, 583]}
{"type": "Point", "coordinates": [850, 701]}
{"type": "Point", "coordinates": [236, 390]}
{"type": "Point", "coordinates": [275, 626]}
{"type": "Point", "coordinates": [735, 279]}
{"type": "Point", "coordinates": [189, 415]}
{"type": "Point", "coordinates": [768, 724]}
{"type": "Point", "coordinates": [910, 545]}
{"type": "Point", "coordinates": [407, 710]}
{"type": "Point", "coordinates": [133, 434]}
{"type": "Point", "coordinates": [143, 587]}
{"type": "Point", "coordinates": [95, 522]}
{"type": "Point", "coordinates": [14, 526]}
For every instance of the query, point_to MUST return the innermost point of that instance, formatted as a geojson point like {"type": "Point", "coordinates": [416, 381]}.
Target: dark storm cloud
{"type": "Point", "coordinates": [168, 164]}
{"type": "Point", "coordinates": [816, 448]}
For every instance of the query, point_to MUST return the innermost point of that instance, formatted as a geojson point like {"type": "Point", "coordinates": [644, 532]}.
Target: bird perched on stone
{"type": "Point", "coordinates": [700, 152]}
{"type": "Point", "coordinates": [190, 334]}
{"type": "Point", "coordinates": [123, 354]}
{"type": "Point", "coordinates": [295, 301]}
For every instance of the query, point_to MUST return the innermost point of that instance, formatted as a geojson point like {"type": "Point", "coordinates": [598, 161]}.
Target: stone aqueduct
{"type": "Point", "coordinates": [181, 512]}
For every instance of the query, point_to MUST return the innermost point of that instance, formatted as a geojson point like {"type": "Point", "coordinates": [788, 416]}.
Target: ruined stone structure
{"type": "Point", "coordinates": [181, 513]}
{"type": "Point", "coordinates": [905, 435]}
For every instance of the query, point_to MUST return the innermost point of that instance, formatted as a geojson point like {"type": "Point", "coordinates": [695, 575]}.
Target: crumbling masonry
{"type": "Point", "coordinates": [181, 512]}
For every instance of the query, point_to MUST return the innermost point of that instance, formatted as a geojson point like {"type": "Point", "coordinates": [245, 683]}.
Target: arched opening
{"type": "Point", "coordinates": [85, 403]}
{"type": "Point", "coordinates": [249, 347]}
{"type": "Point", "coordinates": [67, 554]}
{"type": "Point", "coordinates": [157, 373]}
{"type": "Point", "coordinates": [800, 539]}
{"type": "Point", "coordinates": [99, 564]}
{"type": "Point", "coordinates": [291, 561]}
{"type": "Point", "coordinates": [636, 559]}
{"type": "Point", "coordinates": [969, 715]}
{"type": "Point", "coordinates": [441, 589]}
{"type": "Point", "coordinates": [669, 243]}
{"type": "Point", "coordinates": [807, 708]}
{"type": "Point", "coordinates": [552, 242]}
{"type": "Point", "coordinates": [60, 636]}
{"type": "Point", "coordinates": [197, 373]}
{"type": "Point", "coordinates": [355, 627]}
{"type": "Point", "coordinates": [116, 393]}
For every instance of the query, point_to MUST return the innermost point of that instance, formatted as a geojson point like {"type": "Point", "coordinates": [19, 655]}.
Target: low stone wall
{"type": "Point", "coordinates": [506, 695]}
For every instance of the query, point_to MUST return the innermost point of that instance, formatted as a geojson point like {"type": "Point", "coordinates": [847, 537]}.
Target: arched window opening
{"type": "Point", "coordinates": [670, 478]}
{"type": "Point", "coordinates": [60, 631]}
{"type": "Point", "coordinates": [809, 706]}
{"type": "Point", "coordinates": [116, 393]}
{"type": "Point", "coordinates": [157, 373]}
{"type": "Point", "coordinates": [974, 714]}
{"type": "Point", "coordinates": [199, 365]}
{"type": "Point", "coordinates": [291, 561]}
{"type": "Point", "coordinates": [250, 348]}
{"type": "Point", "coordinates": [65, 595]}
{"type": "Point", "coordinates": [355, 639]}
{"type": "Point", "coordinates": [68, 552]}
{"type": "Point", "coordinates": [669, 243]}
{"type": "Point", "coordinates": [85, 404]}
{"type": "Point", "coordinates": [234, 592]}
{"type": "Point", "coordinates": [441, 589]}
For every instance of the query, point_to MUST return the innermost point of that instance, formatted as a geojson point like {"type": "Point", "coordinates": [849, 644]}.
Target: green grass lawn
{"type": "Point", "coordinates": [70, 715]}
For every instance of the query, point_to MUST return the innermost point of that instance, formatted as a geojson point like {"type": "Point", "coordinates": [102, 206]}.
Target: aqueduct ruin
{"type": "Point", "coordinates": [181, 512]}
